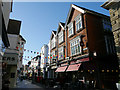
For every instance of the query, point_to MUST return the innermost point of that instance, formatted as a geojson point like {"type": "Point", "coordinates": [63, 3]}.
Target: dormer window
{"type": "Point", "coordinates": [70, 29]}
{"type": "Point", "coordinates": [78, 22]}
{"type": "Point", "coordinates": [60, 37]}
{"type": "Point", "coordinates": [53, 43]}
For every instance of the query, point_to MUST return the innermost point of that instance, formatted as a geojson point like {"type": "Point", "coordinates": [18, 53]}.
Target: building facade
{"type": "Point", "coordinates": [114, 9]}
{"type": "Point", "coordinates": [12, 54]}
{"type": "Point", "coordinates": [85, 48]}
{"type": "Point", "coordinates": [48, 64]}
{"type": "Point", "coordinates": [44, 60]}
{"type": "Point", "coordinates": [34, 66]}
{"type": "Point", "coordinates": [21, 43]}
{"type": "Point", "coordinates": [5, 9]}
{"type": "Point", "coordinates": [53, 53]}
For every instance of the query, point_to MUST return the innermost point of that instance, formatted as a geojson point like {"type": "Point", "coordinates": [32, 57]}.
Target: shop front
{"type": "Point", "coordinates": [11, 59]}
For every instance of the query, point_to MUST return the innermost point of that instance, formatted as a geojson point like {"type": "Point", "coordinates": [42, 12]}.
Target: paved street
{"type": "Point", "coordinates": [27, 84]}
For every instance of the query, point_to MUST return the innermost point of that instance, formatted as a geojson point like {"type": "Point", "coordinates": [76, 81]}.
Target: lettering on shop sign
{"type": "Point", "coordinates": [9, 58]}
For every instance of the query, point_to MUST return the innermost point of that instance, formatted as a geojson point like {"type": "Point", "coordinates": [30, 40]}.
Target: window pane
{"type": "Point", "coordinates": [78, 47]}
{"type": "Point", "coordinates": [80, 26]}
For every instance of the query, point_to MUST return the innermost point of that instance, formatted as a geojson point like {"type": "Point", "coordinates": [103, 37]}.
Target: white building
{"type": "Point", "coordinates": [21, 43]}
{"type": "Point", "coordinates": [49, 52]}
{"type": "Point", "coordinates": [44, 59]}
{"type": "Point", "coordinates": [5, 9]}
{"type": "Point", "coordinates": [48, 64]}
{"type": "Point", "coordinates": [11, 55]}
{"type": "Point", "coordinates": [35, 64]}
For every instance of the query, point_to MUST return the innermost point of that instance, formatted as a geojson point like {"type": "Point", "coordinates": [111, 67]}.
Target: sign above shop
{"type": "Point", "coordinates": [10, 59]}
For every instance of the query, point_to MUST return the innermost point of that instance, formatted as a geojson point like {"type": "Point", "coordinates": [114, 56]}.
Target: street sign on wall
{"type": "Point", "coordinates": [10, 59]}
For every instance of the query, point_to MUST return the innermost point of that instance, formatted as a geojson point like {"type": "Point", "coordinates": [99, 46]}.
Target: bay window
{"type": "Point", "coordinates": [70, 29]}
{"type": "Point", "coordinates": [53, 43]}
{"type": "Point", "coordinates": [78, 22]}
{"type": "Point", "coordinates": [75, 46]}
{"type": "Point", "coordinates": [60, 37]}
{"type": "Point", "coordinates": [61, 52]}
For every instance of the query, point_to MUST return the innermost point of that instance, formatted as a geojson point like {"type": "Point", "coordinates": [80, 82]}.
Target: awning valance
{"type": "Point", "coordinates": [83, 60]}
{"type": "Point", "coordinates": [61, 69]}
{"type": "Point", "coordinates": [74, 67]}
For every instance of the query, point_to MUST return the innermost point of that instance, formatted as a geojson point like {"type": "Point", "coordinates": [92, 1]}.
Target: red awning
{"type": "Point", "coordinates": [61, 69]}
{"type": "Point", "coordinates": [74, 67]}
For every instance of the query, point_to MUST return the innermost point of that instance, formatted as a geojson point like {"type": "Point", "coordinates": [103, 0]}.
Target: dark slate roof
{"type": "Point", "coordinates": [55, 32]}
{"type": "Point", "coordinates": [91, 11]}
{"type": "Point", "coordinates": [63, 24]}
{"type": "Point", "coordinates": [14, 27]}
{"type": "Point", "coordinates": [22, 38]}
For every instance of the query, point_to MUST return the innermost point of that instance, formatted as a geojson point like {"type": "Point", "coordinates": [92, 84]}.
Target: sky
{"type": "Point", "coordinates": [40, 18]}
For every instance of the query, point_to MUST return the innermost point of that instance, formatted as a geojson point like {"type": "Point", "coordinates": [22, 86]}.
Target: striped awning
{"type": "Point", "coordinates": [74, 67]}
{"type": "Point", "coordinates": [61, 69]}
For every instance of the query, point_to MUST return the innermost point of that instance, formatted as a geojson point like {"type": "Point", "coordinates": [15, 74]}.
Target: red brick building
{"type": "Point", "coordinates": [87, 50]}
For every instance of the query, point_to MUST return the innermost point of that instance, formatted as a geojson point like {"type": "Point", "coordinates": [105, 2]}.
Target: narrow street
{"type": "Point", "coordinates": [60, 45]}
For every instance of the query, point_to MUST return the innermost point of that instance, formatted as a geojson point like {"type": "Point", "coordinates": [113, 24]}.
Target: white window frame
{"type": "Point", "coordinates": [78, 22]}
{"type": "Point", "coordinates": [74, 43]}
{"type": "Point", "coordinates": [61, 52]}
{"type": "Point", "coordinates": [61, 36]}
{"type": "Point", "coordinates": [53, 43]}
{"type": "Point", "coordinates": [70, 29]}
